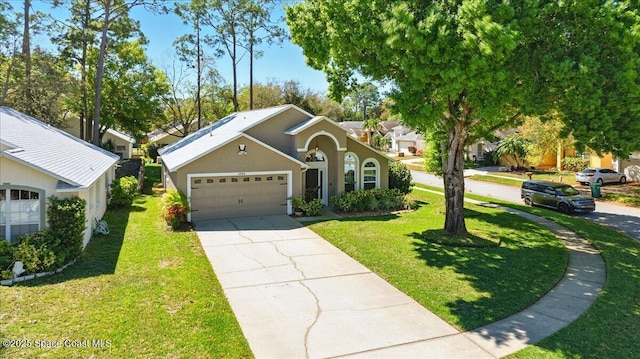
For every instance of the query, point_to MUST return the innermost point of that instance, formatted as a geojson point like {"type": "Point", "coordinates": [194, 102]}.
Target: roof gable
{"type": "Point", "coordinates": [52, 151]}
{"type": "Point", "coordinates": [209, 138]}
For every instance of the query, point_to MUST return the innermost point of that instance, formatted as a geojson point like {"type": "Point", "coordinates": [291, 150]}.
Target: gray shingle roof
{"type": "Point", "coordinates": [52, 151]}
{"type": "Point", "coordinates": [215, 135]}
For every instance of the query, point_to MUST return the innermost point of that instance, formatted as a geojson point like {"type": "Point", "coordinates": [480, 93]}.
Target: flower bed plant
{"type": "Point", "coordinates": [174, 208]}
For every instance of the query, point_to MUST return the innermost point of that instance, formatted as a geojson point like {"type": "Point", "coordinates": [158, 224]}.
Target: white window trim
{"type": "Point", "coordinates": [41, 207]}
{"type": "Point", "coordinates": [377, 185]}
{"type": "Point", "coordinates": [356, 174]}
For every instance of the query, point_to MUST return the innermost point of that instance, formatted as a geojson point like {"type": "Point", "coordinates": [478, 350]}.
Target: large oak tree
{"type": "Point", "coordinates": [466, 68]}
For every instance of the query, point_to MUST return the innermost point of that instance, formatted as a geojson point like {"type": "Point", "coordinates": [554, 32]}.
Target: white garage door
{"type": "Point", "coordinates": [216, 197]}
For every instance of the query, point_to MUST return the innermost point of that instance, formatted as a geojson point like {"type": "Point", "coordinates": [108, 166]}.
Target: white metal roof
{"type": "Point", "coordinates": [205, 140]}
{"type": "Point", "coordinates": [121, 135]}
{"type": "Point", "coordinates": [52, 151]}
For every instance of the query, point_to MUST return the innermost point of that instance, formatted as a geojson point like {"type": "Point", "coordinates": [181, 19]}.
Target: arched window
{"type": "Point", "coordinates": [350, 172]}
{"type": "Point", "coordinates": [370, 174]}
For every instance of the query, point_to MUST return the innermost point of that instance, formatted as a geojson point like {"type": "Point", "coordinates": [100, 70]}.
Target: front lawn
{"type": "Point", "coordinates": [610, 328]}
{"type": "Point", "coordinates": [466, 286]}
{"type": "Point", "coordinates": [143, 291]}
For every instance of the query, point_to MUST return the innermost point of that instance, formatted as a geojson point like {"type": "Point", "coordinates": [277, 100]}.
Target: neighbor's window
{"type": "Point", "coordinates": [19, 213]}
{"type": "Point", "coordinates": [370, 174]}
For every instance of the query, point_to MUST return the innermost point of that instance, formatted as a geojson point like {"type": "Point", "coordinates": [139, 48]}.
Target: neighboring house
{"type": "Point", "coordinates": [169, 135]}
{"type": "Point", "coordinates": [402, 137]}
{"type": "Point", "coordinates": [38, 161]}
{"type": "Point", "coordinates": [123, 143]}
{"type": "Point", "coordinates": [252, 163]}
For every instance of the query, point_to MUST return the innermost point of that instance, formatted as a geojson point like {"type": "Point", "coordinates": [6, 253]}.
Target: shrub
{"type": "Point", "coordinates": [123, 191]}
{"type": "Point", "coordinates": [150, 150]}
{"type": "Point", "coordinates": [6, 258]}
{"type": "Point", "coordinates": [574, 164]}
{"type": "Point", "coordinates": [433, 158]}
{"type": "Point", "coordinates": [488, 158]}
{"type": "Point", "coordinates": [400, 177]}
{"type": "Point", "coordinates": [174, 208]}
{"type": "Point", "coordinates": [370, 200]}
{"type": "Point", "coordinates": [35, 252]}
{"type": "Point", "coordinates": [312, 208]}
{"type": "Point", "coordinates": [67, 222]}
{"type": "Point", "coordinates": [109, 145]}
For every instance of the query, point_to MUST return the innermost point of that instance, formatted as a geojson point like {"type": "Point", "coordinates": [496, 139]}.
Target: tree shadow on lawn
{"type": "Point", "coordinates": [505, 275]}
{"type": "Point", "coordinates": [101, 254]}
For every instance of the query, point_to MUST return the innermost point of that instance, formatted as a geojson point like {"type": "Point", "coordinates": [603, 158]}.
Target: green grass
{"type": "Point", "coordinates": [627, 200]}
{"type": "Point", "coordinates": [467, 287]}
{"type": "Point", "coordinates": [611, 326]}
{"type": "Point", "coordinates": [499, 180]}
{"type": "Point", "coordinates": [150, 292]}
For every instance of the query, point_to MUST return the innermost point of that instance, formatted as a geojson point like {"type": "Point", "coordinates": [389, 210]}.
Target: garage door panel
{"type": "Point", "coordinates": [224, 196]}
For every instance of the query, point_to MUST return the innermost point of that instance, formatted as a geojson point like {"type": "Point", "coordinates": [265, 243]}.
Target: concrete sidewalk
{"type": "Point", "coordinates": [297, 296]}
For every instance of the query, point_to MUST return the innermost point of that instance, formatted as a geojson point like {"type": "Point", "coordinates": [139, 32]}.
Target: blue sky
{"type": "Point", "coordinates": [280, 62]}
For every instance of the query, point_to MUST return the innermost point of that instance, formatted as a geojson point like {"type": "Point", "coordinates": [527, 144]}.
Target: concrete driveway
{"type": "Point", "coordinates": [297, 296]}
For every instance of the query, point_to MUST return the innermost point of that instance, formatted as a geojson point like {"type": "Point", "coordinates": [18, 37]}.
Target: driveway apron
{"type": "Point", "coordinates": [297, 296]}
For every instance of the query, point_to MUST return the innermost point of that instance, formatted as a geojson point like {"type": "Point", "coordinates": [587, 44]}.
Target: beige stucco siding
{"type": "Point", "coordinates": [121, 146]}
{"type": "Point", "coordinates": [363, 152]}
{"type": "Point", "coordinates": [227, 160]}
{"type": "Point", "coordinates": [272, 131]}
{"type": "Point", "coordinates": [310, 134]}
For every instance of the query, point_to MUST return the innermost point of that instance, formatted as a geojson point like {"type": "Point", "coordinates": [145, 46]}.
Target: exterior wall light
{"type": "Point", "coordinates": [242, 149]}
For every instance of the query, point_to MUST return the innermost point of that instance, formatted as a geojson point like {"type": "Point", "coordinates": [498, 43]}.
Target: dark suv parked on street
{"type": "Point", "coordinates": [556, 195]}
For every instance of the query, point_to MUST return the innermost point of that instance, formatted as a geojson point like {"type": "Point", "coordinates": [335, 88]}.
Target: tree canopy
{"type": "Point", "coordinates": [471, 67]}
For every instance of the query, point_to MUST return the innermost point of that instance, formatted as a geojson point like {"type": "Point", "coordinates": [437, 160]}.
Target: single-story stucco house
{"type": "Point", "coordinates": [122, 143]}
{"type": "Point", "coordinates": [252, 163]}
{"type": "Point", "coordinates": [38, 161]}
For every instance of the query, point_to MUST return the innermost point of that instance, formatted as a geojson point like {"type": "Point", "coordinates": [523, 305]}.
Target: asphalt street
{"type": "Point", "coordinates": [625, 219]}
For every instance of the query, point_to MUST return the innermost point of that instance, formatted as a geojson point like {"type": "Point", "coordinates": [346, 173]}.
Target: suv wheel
{"type": "Point", "coordinates": [528, 201]}
{"type": "Point", "coordinates": [623, 179]}
{"type": "Point", "coordinates": [564, 208]}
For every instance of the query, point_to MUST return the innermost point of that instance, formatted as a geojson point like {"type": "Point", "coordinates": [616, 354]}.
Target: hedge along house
{"type": "Point", "coordinates": [38, 161]}
{"type": "Point", "coordinates": [252, 163]}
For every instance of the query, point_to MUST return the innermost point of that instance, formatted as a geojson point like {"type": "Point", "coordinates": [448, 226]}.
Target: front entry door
{"type": "Point", "coordinates": [312, 188]}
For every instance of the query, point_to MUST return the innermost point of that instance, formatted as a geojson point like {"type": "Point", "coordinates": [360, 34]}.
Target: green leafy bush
{"type": "Point", "coordinates": [432, 158]}
{"type": "Point", "coordinates": [574, 164]}
{"type": "Point", "coordinates": [400, 177]}
{"type": "Point", "coordinates": [35, 251]}
{"type": "Point", "coordinates": [6, 258]}
{"type": "Point", "coordinates": [312, 208]}
{"type": "Point", "coordinates": [489, 158]}
{"type": "Point", "coordinates": [67, 222]}
{"type": "Point", "coordinates": [123, 191]}
{"type": "Point", "coordinates": [370, 200]}
{"type": "Point", "coordinates": [150, 150]}
{"type": "Point", "coordinates": [174, 208]}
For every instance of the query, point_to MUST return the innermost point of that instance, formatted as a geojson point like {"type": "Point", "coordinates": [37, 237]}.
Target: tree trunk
{"type": "Point", "coordinates": [199, 64]}
{"type": "Point", "coordinates": [26, 56]}
{"type": "Point", "coordinates": [95, 139]}
{"type": "Point", "coordinates": [453, 174]}
{"type": "Point", "coordinates": [251, 73]}
{"type": "Point", "coordinates": [84, 134]}
{"type": "Point", "coordinates": [234, 58]}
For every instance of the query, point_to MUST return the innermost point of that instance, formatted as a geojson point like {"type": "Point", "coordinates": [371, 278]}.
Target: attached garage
{"type": "Point", "coordinates": [227, 195]}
